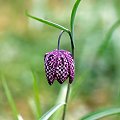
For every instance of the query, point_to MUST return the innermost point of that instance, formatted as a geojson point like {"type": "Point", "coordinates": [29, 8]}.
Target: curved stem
{"type": "Point", "coordinates": [59, 39]}
{"type": "Point", "coordinates": [68, 87]}
{"type": "Point", "coordinates": [71, 39]}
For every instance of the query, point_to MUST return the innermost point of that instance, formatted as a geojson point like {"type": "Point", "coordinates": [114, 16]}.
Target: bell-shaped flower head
{"type": "Point", "coordinates": [59, 65]}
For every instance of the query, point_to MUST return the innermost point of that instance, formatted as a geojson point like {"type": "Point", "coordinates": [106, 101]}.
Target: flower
{"type": "Point", "coordinates": [59, 65]}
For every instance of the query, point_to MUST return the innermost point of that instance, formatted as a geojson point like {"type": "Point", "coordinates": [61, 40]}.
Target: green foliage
{"type": "Point", "coordinates": [47, 115]}
{"type": "Point", "coordinates": [105, 43]}
{"type": "Point", "coordinates": [96, 73]}
{"type": "Point", "coordinates": [101, 114]}
{"type": "Point", "coordinates": [74, 10]}
{"type": "Point", "coordinates": [36, 96]}
{"type": "Point", "coordinates": [10, 99]}
{"type": "Point", "coordinates": [48, 22]}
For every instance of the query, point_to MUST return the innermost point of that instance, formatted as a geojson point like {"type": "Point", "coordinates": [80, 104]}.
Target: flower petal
{"type": "Point", "coordinates": [50, 65]}
{"type": "Point", "coordinates": [71, 65]}
{"type": "Point", "coordinates": [61, 68]}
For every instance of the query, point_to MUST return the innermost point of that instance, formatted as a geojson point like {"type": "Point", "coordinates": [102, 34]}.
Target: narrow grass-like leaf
{"type": "Point", "coordinates": [107, 38]}
{"type": "Point", "coordinates": [47, 115]}
{"type": "Point", "coordinates": [74, 10]}
{"type": "Point", "coordinates": [36, 96]}
{"type": "Point", "coordinates": [101, 114]}
{"type": "Point", "coordinates": [48, 23]}
{"type": "Point", "coordinates": [10, 99]}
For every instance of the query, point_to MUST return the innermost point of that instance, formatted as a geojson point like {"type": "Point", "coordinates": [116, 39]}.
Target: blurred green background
{"type": "Point", "coordinates": [24, 41]}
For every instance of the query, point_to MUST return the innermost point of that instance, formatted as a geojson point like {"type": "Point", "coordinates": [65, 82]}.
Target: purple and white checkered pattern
{"type": "Point", "coordinates": [59, 65]}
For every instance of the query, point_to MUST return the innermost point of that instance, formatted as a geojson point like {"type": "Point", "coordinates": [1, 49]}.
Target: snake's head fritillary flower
{"type": "Point", "coordinates": [59, 65]}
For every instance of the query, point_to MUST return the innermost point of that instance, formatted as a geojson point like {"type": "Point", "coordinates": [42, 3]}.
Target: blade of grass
{"type": "Point", "coordinates": [101, 114]}
{"type": "Point", "coordinates": [10, 99]}
{"type": "Point", "coordinates": [74, 10]}
{"type": "Point", "coordinates": [107, 38]}
{"type": "Point", "coordinates": [36, 96]}
{"type": "Point", "coordinates": [48, 23]}
{"type": "Point", "coordinates": [47, 115]}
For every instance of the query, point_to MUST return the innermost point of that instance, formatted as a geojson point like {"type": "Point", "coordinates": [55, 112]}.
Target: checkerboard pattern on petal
{"type": "Point", "coordinates": [59, 65]}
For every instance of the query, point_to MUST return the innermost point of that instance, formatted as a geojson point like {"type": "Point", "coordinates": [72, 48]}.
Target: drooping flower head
{"type": "Point", "coordinates": [59, 65]}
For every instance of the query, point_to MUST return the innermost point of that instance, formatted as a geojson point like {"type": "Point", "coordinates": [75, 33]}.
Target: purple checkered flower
{"type": "Point", "coordinates": [59, 65]}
